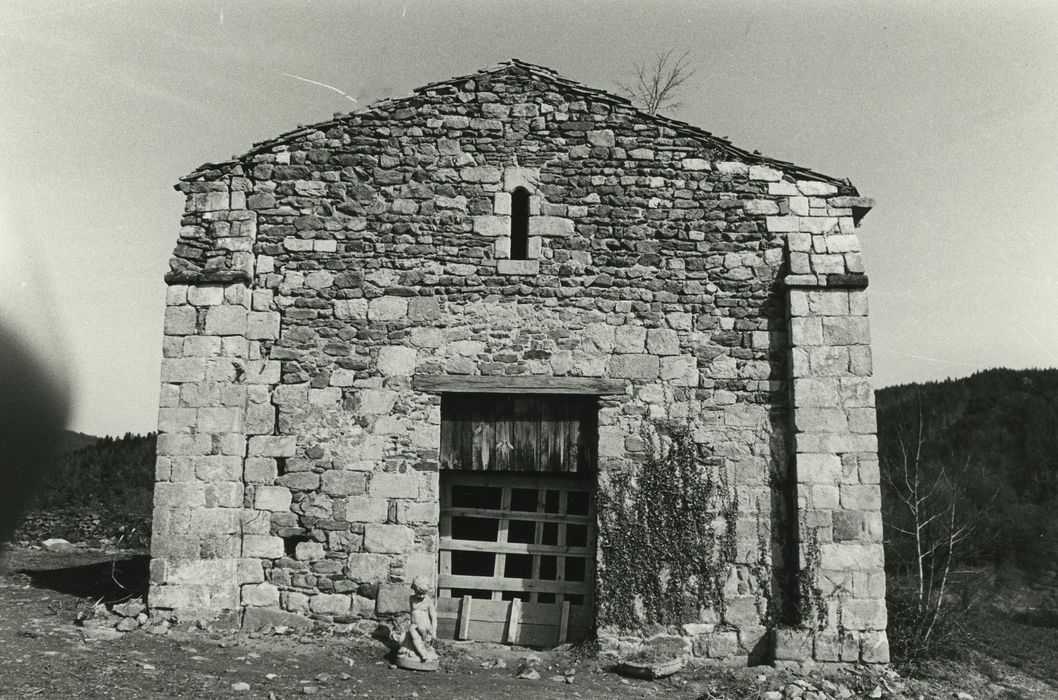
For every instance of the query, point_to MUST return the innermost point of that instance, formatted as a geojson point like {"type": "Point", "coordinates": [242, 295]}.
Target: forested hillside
{"type": "Point", "coordinates": [989, 443]}
{"type": "Point", "coordinates": [101, 488]}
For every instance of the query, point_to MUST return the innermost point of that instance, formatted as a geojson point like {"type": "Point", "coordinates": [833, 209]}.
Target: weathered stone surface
{"type": "Point", "coordinates": [226, 320]}
{"type": "Point", "coordinates": [274, 498]}
{"type": "Point", "coordinates": [392, 539]}
{"type": "Point", "coordinates": [317, 279]}
{"type": "Point", "coordinates": [261, 594]}
{"type": "Point", "coordinates": [635, 366]}
{"type": "Point", "coordinates": [394, 360]}
{"type": "Point", "coordinates": [392, 599]}
{"type": "Point", "coordinates": [550, 226]}
{"type": "Point", "coordinates": [262, 546]}
{"type": "Point", "coordinates": [330, 604]}
{"type": "Point", "coordinates": [343, 483]}
{"type": "Point", "coordinates": [368, 568]}
{"type": "Point", "coordinates": [387, 308]}
{"type": "Point", "coordinates": [272, 446]}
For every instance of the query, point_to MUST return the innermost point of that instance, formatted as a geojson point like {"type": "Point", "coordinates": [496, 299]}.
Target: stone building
{"type": "Point", "coordinates": [432, 337]}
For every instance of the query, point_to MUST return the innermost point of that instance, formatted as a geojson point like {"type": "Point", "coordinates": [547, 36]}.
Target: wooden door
{"type": "Point", "coordinates": [517, 547]}
{"type": "Point", "coordinates": [516, 557]}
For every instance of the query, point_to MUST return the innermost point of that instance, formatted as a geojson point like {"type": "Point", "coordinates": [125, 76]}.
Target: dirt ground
{"type": "Point", "coordinates": [47, 656]}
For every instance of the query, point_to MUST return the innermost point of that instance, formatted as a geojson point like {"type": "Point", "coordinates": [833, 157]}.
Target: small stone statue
{"type": "Point", "coordinates": [417, 650]}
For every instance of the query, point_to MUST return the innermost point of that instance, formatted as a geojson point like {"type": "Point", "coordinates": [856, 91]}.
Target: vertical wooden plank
{"type": "Point", "coordinates": [590, 440]}
{"type": "Point", "coordinates": [524, 434]}
{"type": "Point", "coordinates": [550, 436]}
{"type": "Point", "coordinates": [483, 443]}
{"type": "Point", "coordinates": [461, 447]}
{"type": "Point", "coordinates": [560, 564]}
{"type": "Point", "coordinates": [538, 538]}
{"type": "Point", "coordinates": [514, 619]}
{"type": "Point", "coordinates": [463, 630]}
{"type": "Point", "coordinates": [567, 460]}
{"type": "Point", "coordinates": [503, 440]}
{"type": "Point", "coordinates": [449, 450]}
{"type": "Point", "coordinates": [563, 622]}
{"type": "Point", "coordinates": [589, 541]}
{"type": "Point", "coordinates": [444, 526]}
{"type": "Point", "coordinates": [456, 437]}
{"type": "Point", "coordinates": [501, 536]}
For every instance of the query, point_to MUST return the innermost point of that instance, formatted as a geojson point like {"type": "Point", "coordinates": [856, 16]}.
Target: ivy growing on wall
{"type": "Point", "coordinates": [811, 603]}
{"type": "Point", "coordinates": [668, 535]}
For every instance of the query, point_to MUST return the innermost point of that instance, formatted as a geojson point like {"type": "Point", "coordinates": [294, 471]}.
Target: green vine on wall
{"type": "Point", "coordinates": [811, 603]}
{"type": "Point", "coordinates": [668, 535]}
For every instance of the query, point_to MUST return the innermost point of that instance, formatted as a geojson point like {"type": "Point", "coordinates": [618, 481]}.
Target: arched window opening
{"type": "Point", "coordinates": [520, 224]}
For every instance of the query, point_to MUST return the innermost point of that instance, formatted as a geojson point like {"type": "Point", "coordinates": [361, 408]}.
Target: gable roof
{"type": "Point", "coordinates": [562, 84]}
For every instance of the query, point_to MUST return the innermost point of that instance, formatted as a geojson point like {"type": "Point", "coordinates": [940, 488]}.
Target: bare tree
{"type": "Point", "coordinates": [657, 85]}
{"type": "Point", "coordinates": [929, 513]}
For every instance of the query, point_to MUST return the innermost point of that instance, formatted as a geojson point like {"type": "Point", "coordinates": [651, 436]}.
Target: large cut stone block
{"type": "Point", "coordinates": [550, 226]}
{"type": "Point", "coordinates": [875, 647]}
{"type": "Point", "coordinates": [394, 485]}
{"type": "Point", "coordinates": [634, 366]}
{"type": "Point", "coordinates": [860, 614]}
{"type": "Point", "coordinates": [388, 539]}
{"type": "Point", "coordinates": [387, 308]}
{"type": "Point", "coordinates": [366, 509]}
{"type": "Point", "coordinates": [392, 598]}
{"type": "Point", "coordinates": [272, 446]}
{"type": "Point", "coordinates": [814, 392]}
{"type": "Point", "coordinates": [630, 339]}
{"type": "Point", "coordinates": [680, 371]}
{"type": "Point", "coordinates": [330, 604]}
{"type": "Point", "coordinates": [263, 325]}
{"type": "Point", "coordinates": [343, 483]}
{"type": "Point", "coordinates": [851, 557]}
{"type": "Point", "coordinates": [518, 267]}
{"type": "Point", "coordinates": [418, 512]}
{"type": "Point", "coordinates": [184, 598]}
{"type": "Point", "coordinates": [368, 568]}
{"type": "Point", "coordinates": [396, 360]}
{"type": "Point", "coordinates": [818, 468]}
{"type": "Point", "coordinates": [183, 369]}
{"type": "Point", "coordinates": [846, 330]}
{"type": "Point", "coordinates": [262, 546]}
{"type": "Point", "coordinates": [820, 420]}
{"type": "Point", "coordinates": [177, 444]}
{"type": "Point", "coordinates": [260, 594]}
{"type": "Point", "coordinates": [272, 498]}
{"type": "Point", "coordinates": [213, 572]}
{"type": "Point", "coordinates": [663, 341]}
{"type": "Point", "coordinates": [860, 497]}
{"type": "Point", "coordinates": [216, 521]}
{"type": "Point", "coordinates": [260, 470]}
{"type": "Point", "coordinates": [180, 320]}
{"type": "Point", "coordinates": [227, 319]}
{"type": "Point", "coordinates": [492, 226]}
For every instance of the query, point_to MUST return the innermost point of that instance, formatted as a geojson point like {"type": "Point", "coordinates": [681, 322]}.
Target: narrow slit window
{"type": "Point", "coordinates": [520, 224]}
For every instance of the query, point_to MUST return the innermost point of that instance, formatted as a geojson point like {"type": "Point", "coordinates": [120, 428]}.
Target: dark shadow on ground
{"type": "Point", "coordinates": [109, 581]}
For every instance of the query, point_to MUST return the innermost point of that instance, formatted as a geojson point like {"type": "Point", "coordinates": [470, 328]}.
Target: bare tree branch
{"type": "Point", "coordinates": [657, 85]}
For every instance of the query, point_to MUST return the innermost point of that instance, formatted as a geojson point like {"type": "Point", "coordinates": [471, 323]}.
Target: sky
{"type": "Point", "coordinates": [945, 113]}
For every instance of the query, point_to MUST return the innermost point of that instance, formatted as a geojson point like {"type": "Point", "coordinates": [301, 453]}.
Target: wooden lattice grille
{"type": "Point", "coordinates": [516, 557]}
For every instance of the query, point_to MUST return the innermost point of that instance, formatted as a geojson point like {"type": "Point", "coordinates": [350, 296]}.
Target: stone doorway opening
{"type": "Point", "coordinates": [516, 557]}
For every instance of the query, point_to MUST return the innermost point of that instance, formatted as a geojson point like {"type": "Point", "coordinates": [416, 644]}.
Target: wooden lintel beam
{"type": "Point", "coordinates": [440, 383]}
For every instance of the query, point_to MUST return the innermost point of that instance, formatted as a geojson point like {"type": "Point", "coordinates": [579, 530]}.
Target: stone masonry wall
{"type": "Point", "coordinates": [317, 274]}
